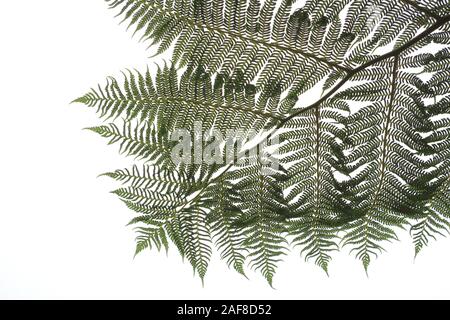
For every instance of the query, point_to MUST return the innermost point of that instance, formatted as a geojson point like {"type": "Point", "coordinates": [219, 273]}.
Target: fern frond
{"type": "Point", "coordinates": [436, 221]}
{"type": "Point", "coordinates": [142, 140]}
{"type": "Point", "coordinates": [264, 213]}
{"type": "Point", "coordinates": [223, 218]}
{"type": "Point", "coordinates": [179, 103]}
{"type": "Point", "coordinates": [153, 179]}
{"type": "Point", "coordinates": [313, 193]}
{"type": "Point", "coordinates": [387, 170]}
{"type": "Point", "coordinates": [162, 199]}
{"type": "Point", "coordinates": [200, 27]}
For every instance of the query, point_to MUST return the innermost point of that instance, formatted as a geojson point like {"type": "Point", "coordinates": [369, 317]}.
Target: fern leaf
{"type": "Point", "coordinates": [368, 157]}
{"type": "Point", "coordinates": [178, 104]}
{"type": "Point", "coordinates": [386, 172]}
{"type": "Point", "coordinates": [139, 140]}
{"type": "Point", "coordinates": [222, 219]}
{"type": "Point", "coordinates": [196, 237]}
{"type": "Point", "coordinates": [264, 213]}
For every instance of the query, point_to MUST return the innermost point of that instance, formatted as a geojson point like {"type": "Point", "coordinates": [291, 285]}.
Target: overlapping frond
{"type": "Point", "coordinates": [368, 157]}
{"type": "Point", "coordinates": [179, 103]}
{"type": "Point", "coordinates": [254, 37]}
{"type": "Point", "coordinates": [228, 236]}
{"type": "Point", "coordinates": [162, 200]}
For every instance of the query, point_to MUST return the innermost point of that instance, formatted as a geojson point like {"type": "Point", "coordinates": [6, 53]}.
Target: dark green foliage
{"type": "Point", "coordinates": [263, 215]}
{"type": "Point", "coordinates": [367, 158]}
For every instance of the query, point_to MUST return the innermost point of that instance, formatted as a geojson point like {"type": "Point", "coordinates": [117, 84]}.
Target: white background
{"type": "Point", "coordinates": [63, 235]}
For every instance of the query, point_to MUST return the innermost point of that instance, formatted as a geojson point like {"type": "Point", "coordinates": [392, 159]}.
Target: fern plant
{"type": "Point", "coordinates": [369, 157]}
